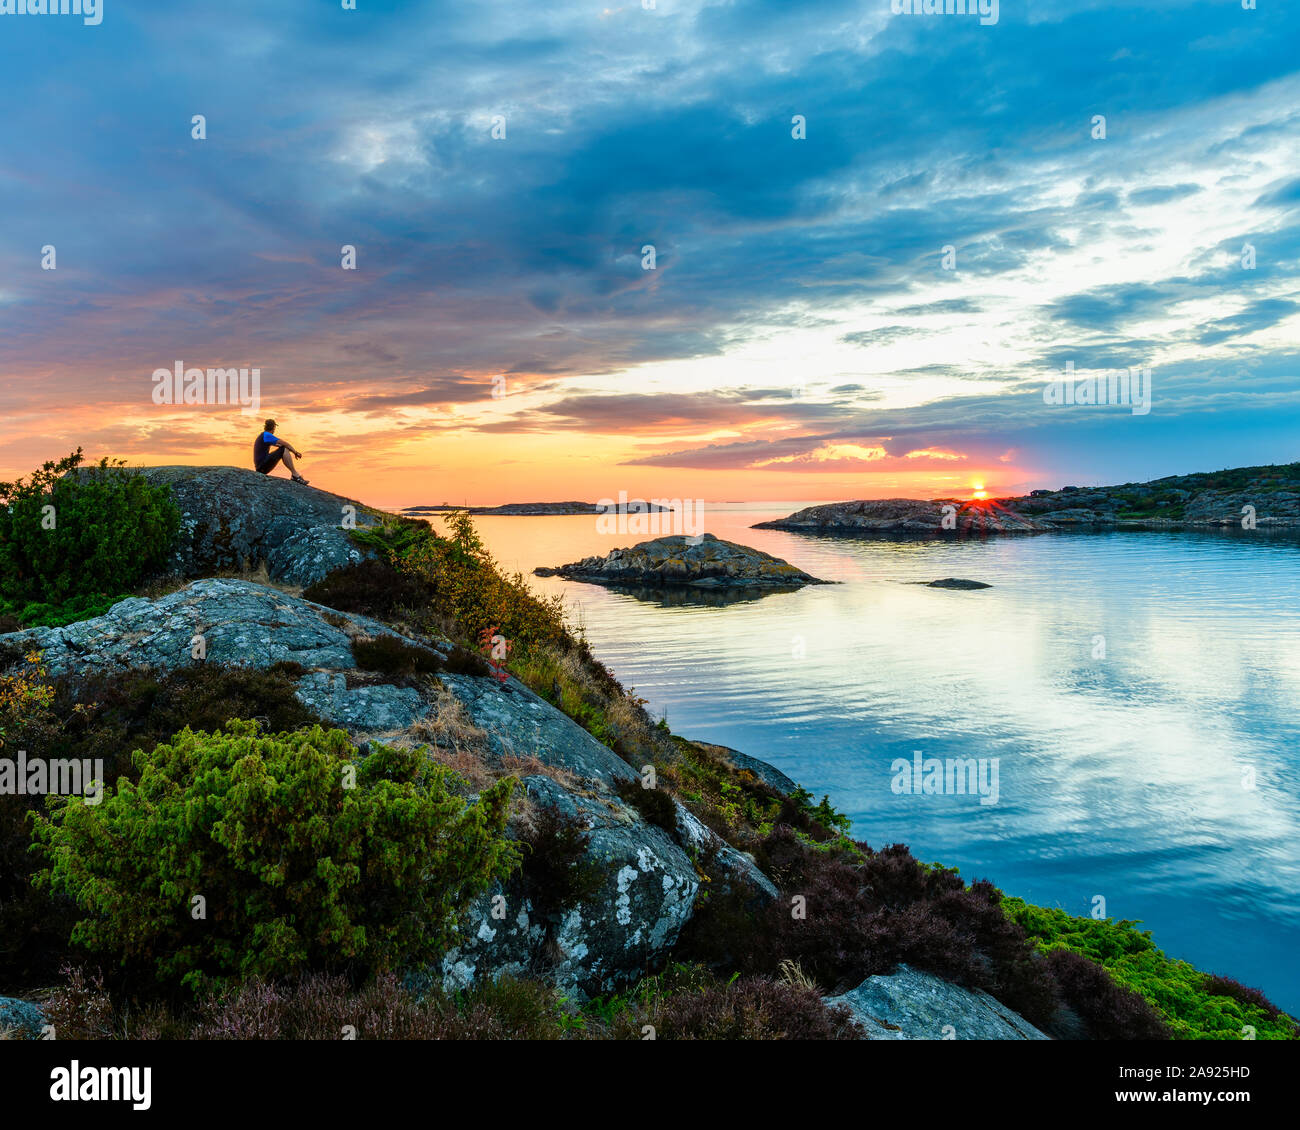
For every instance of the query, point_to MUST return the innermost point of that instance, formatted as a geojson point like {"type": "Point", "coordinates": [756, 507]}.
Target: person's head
{"type": "Point", "coordinates": [269, 426]}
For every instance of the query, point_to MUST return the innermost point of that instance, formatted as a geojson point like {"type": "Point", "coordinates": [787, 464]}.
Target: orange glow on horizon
{"type": "Point", "coordinates": [409, 457]}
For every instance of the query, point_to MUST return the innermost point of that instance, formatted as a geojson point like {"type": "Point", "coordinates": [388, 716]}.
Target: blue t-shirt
{"type": "Point", "coordinates": [262, 447]}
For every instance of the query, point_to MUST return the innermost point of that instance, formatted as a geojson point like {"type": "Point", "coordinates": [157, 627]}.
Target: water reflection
{"type": "Point", "coordinates": [1139, 690]}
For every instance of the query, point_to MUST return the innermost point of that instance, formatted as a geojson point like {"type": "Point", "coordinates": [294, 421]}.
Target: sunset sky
{"type": "Point", "coordinates": [799, 337]}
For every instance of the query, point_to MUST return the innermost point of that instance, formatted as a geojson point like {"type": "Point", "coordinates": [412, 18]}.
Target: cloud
{"type": "Point", "coordinates": [628, 127]}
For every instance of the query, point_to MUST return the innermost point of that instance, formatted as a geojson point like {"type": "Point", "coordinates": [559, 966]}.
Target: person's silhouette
{"type": "Point", "coordinates": [269, 449]}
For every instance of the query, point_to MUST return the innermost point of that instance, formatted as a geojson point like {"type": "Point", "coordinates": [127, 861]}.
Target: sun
{"type": "Point", "coordinates": [978, 491]}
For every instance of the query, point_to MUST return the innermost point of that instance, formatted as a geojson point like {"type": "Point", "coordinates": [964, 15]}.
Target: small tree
{"type": "Point", "coordinates": [241, 855]}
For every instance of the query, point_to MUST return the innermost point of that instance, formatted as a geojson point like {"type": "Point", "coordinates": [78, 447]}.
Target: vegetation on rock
{"type": "Point", "coordinates": [75, 540]}
{"type": "Point", "coordinates": [240, 854]}
{"type": "Point", "coordinates": [1193, 1005]}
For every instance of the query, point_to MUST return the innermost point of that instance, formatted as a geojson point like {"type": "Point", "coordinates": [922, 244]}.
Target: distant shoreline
{"type": "Point", "coordinates": [1246, 499]}
{"type": "Point", "coordinates": [541, 509]}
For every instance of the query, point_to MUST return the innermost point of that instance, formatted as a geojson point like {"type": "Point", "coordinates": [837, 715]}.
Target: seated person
{"type": "Point", "coordinates": [269, 449]}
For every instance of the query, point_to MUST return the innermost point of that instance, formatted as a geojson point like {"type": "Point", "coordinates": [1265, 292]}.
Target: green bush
{"type": "Point", "coordinates": [297, 870]}
{"type": "Point", "coordinates": [74, 539]}
{"type": "Point", "coordinates": [1194, 1005]}
{"type": "Point", "coordinates": [106, 716]}
{"type": "Point", "coordinates": [465, 584]}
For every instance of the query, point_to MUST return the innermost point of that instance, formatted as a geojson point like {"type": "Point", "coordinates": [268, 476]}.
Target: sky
{"type": "Point", "coordinates": [738, 250]}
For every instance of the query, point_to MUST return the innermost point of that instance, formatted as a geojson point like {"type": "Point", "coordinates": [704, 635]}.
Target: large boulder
{"type": "Point", "coordinates": [909, 1004]}
{"type": "Point", "coordinates": [606, 940]}
{"type": "Point", "coordinates": [234, 520]}
{"type": "Point", "coordinates": [647, 895]}
{"type": "Point", "coordinates": [500, 935]}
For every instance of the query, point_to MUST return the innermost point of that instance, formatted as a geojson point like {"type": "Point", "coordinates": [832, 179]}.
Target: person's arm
{"type": "Point", "coordinates": [285, 443]}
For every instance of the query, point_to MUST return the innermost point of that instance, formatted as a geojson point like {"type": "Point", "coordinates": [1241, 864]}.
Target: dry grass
{"type": "Point", "coordinates": [791, 972]}
{"type": "Point", "coordinates": [470, 767]}
{"type": "Point", "coordinates": [533, 765]}
{"type": "Point", "coordinates": [450, 725]}
{"type": "Point", "coordinates": [455, 741]}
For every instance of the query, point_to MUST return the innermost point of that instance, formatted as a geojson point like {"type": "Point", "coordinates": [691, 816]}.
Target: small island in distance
{"type": "Point", "coordinates": [533, 509]}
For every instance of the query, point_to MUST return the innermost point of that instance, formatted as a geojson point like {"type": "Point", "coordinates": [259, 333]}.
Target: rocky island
{"type": "Point", "coordinates": [1247, 498]}
{"type": "Point", "coordinates": [700, 562]}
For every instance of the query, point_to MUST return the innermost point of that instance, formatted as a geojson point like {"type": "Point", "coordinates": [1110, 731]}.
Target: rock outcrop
{"type": "Point", "coordinates": [236, 520]}
{"type": "Point", "coordinates": [906, 517]}
{"type": "Point", "coordinates": [700, 562]}
{"type": "Point", "coordinates": [761, 769]}
{"type": "Point", "coordinates": [648, 878]}
{"type": "Point", "coordinates": [609, 938]}
{"type": "Point", "coordinates": [909, 1004]}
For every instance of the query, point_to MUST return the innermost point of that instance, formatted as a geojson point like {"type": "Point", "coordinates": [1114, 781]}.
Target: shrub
{"type": "Point", "coordinates": [33, 926]}
{"type": "Point", "coordinates": [24, 693]}
{"type": "Point", "coordinates": [1218, 986]}
{"type": "Point", "coordinates": [319, 1007]}
{"type": "Point", "coordinates": [556, 870]}
{"type": "Point", "coordinates": [1108, 1010]}
{"type": "Point", "coordinates": [108, 529]}
{"type": "Point", "coordinates": [655, 805]}
{"type": "Point", "coordinates": [392, 655]}
{"type": "Point", "coordinates": [465, 583]}
{"type": "Point", "coordinates": [736, 804]}
{"type": "Point", "coordinates": [747, 1008]}
{"type": "Point", "coordinates": [79, 1007]}
{"type": "Point", "coordinates": [297, 870]}
{"type": "Point", "coordinates": [372, 587]}
{"type": "Point", "coordinates": [867, 912]}
{"type": "Point", "coordinates": [462, 661]}
{"type": "Point", "coordinates": [1192, 1005]}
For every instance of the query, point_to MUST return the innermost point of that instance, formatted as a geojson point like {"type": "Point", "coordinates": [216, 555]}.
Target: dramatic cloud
{"type": "Point", "coordinates": [945, 233]}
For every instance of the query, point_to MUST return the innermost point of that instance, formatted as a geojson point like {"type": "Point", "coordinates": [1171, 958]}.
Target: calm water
{"type": "Point", "coordinates": [1120, 777]}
